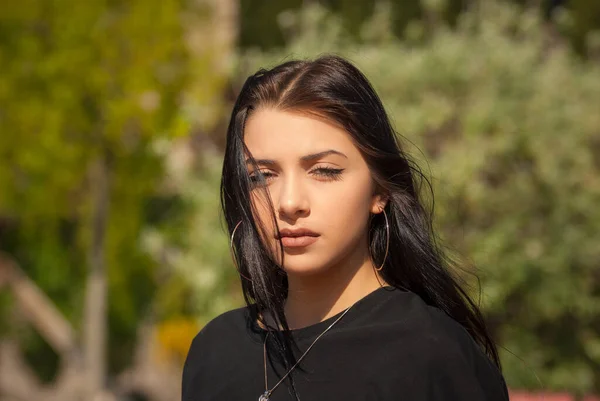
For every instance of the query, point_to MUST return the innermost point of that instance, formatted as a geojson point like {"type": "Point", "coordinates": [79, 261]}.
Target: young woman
{"type": "Point", "coordinates": [348, 296]}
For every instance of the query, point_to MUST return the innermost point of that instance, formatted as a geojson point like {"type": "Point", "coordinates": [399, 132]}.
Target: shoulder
{"type": "Point", "coordinates": [440, 331]}
{"type": "Point", "coordinates": [219, 337]}
{"type": "Point", "coordinates": [218, 332]}
{"type": "Point", "coordinates": [444, 351]}
{"type": "Point", "coordinates": [428, 324]}
{"type": "Point", "coordinates": [229, 321]}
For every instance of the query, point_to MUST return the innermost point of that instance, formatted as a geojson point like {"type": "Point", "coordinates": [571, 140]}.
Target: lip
{"type": "Point", "coordinates": [299, 232]}
{"type": "Point", "coordinates": [298, 242]}
{"type": "Point", "coordinates": [297, 238]}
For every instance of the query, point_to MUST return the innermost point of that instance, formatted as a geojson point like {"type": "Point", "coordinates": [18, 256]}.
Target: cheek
{"type": "Point", "coordinates": [346, 210]}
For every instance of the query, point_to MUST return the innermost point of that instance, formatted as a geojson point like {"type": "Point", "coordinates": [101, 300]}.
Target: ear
{"type": "Point", "coordinates": [378, 203]}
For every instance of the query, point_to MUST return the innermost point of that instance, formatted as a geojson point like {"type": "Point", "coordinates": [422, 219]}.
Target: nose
{"type": "Point", "coordinates": [293, 201]}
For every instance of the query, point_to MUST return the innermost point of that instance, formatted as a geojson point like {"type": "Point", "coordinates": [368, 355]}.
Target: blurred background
{"type": "Point", "coordinates": [113, 253]}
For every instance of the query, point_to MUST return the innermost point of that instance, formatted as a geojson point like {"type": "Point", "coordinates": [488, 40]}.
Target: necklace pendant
{"type": "Point", "coordinates": [264, 396]}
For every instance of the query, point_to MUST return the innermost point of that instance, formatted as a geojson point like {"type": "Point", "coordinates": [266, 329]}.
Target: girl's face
{"type": "Point", "coordinates": [317, 180]}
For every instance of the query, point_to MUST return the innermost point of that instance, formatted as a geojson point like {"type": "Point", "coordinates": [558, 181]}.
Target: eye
{"type": "Point", "coordinates": [259, 176]}
{"type": "Point", "coordinates": [334, 174]}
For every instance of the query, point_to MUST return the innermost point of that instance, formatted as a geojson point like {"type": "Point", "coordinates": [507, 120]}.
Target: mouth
{"type": "Point", "coordinates": [298, 242]}
{"type": "Point", "coordinates": [297, 238]}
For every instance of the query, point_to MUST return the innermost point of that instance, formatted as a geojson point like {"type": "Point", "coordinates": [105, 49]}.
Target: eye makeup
{"type": "Point", "coordinates": [330, 174]}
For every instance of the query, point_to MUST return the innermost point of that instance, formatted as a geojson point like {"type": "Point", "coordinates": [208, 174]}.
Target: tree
{"type": "Point", "coordinates": [85, 94]}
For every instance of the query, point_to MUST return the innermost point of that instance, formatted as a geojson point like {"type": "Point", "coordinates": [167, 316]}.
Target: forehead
{"type": "Point", "coordinates": [282, 135]}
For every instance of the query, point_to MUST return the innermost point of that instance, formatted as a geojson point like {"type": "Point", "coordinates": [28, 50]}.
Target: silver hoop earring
{"type": "Point", "coordinates": [233, 252]}
{"type": "Point", "coordinates": [387, 244]}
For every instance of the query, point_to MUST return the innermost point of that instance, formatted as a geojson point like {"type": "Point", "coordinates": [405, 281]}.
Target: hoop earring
{"type": "Point", "coordinates": [387, 244]}
{"type": "Point", "coordinates": [233, 253]}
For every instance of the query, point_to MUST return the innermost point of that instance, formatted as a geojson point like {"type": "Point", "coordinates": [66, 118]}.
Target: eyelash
{"type": "Point", "coordinates": [333, 174]}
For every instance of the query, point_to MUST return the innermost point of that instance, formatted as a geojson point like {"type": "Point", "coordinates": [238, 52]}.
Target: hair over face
{"type": "Point", "coordinates": [332, 88]}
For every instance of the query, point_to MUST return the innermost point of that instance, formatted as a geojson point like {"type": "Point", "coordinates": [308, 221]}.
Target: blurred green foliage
{"type": "Point", "coordinates": [81, 82]}
{"type": "Point", "coordinates": [264, 23]}
{"type": "Point", "coordinates": [206, 260]}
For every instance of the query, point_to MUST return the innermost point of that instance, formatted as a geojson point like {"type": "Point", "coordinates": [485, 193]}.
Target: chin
{"type": "Point", "coordinates": [302, 266]}
{"type": "Point", "coordinates": [303, 271]}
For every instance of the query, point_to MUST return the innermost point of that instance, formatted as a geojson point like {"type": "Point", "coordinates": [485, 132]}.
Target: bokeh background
{"type": "Point", "coordinates": [113, 252]}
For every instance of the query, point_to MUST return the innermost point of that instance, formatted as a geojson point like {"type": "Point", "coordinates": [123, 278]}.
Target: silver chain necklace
{"type": "Point", "coordinates": [265, 396]}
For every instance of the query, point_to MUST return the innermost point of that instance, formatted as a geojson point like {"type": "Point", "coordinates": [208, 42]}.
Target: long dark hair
{"type": "Point", "coordinates": [333, 88]}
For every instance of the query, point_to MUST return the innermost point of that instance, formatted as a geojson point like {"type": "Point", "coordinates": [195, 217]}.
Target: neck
{"type": "Point", "coordinates": [312, 299]}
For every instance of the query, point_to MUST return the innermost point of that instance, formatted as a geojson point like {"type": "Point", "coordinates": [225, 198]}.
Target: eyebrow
{"type": "Point", "coordinates": [307, 158]}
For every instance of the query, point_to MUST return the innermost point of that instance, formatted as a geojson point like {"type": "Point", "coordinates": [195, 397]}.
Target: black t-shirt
{"type": "Point", "coordinates": [389, 346]}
